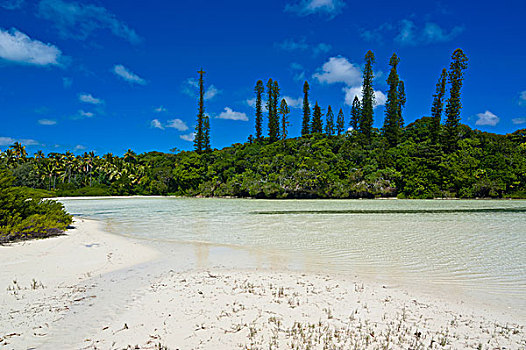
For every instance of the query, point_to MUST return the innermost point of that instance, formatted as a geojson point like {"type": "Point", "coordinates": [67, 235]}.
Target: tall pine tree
{"type": "Point", "coordinates": [317, 125]}
{"type": "Point", "coordinates": [284, 112]}
{"type": "Point", "coordinates": [275, 102]}
{"type": "Point", "coordinates": [206, 134]}
{"type": "Point", "coordinates": [199, 129]}
{"type": "Point", "coordinates": [259, 90]}
{"type": "Point", "coordinates": [340, 122]}
{"type": "Point", "coordinates": [391, 122]}
{"type": "Point", "coordinates": [305, 126]}
{"type": "Point", "coordinates": [366, 118]}
{"type": "Point", "coordinates": [437, 107]}
{"type": "Point", "coordinates": [329, 126]}
{"type": "Point", "coordinates": [356, 111]}
{"type": "Point", "coordinates": [401, 103]}
{"type": "Point", "coordinates": [270, 105]}
{"type": "Point", "coordinates": [456, 74]}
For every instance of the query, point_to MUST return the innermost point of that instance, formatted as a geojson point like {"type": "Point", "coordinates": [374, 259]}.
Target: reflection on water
{"type": "Point", "coordinates": [465, 245]}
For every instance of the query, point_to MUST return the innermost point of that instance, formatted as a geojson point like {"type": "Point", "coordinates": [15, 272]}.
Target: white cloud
{"type": "Point", "coordinates": [211, 92]}
{"type": "Point", "coordinates": [350, 92]}
{"type": "Point", "coordinates": [339, 70]}
{"type": "Point", "coordinates": [160, 109]}
{"type": "Point", "coordinates": [86, 114]}
{"type": "Point", "coordinates": [321, 48]}
{"type": "Point", "coordinates": [518, 121]}
{"type": "Point", "coordinates": [330, 8]}
{"type": "Point", "coordinates": [191, 88]}
{"type": "Point", "coordinates": [409, 34]}
{"type": "Point", "coordinates": [432, 33]}
{"type": "Point", "coordinates": [298, 71]}
{"type": "Point", "coordinates": [17, 47]}
{"type": "Point", "coordinates": [188, 137]}
{"type": "Point", "coordinates": [79, 147]}
{"type": "Point", "coordinates": [293, 45]}
{"type": "Point", "coordinates": [88, 98]}
{"type": "Point", "coordinates": [12, 4]}
{"type": "Point", "coordinates": [302, 45]}
{"type": "Point", "coordinates": [406, 35]}
{"type": "Point", "coordinates": [77, 20]}
{"type": "Point", "coordinates": [127, 75]}
{"type": "Point", "coordinates": [252, 103]}
{"type": "Point", "coordinates": [81, 114]}
{"type": "Point", "coordinates": [155, 123]}
{"type": "Point", "coordinates": [177, 124]}
{"type": "Point", "coordinates": [6, 141]}
{"type": "Point", "coordinates": [294, 102]}
{"type": "Point", "coordinates": [522, 98]}
{"type": "Point", "coordinates": [487, 118]}
{"type": "Point", "coordinates": [228, 113]}
{"type": "Point", "coordinates": [47, 122]}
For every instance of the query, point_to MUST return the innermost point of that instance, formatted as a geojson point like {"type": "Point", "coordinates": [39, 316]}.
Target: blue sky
{"type": "Point", "coordinates": [113, 75]}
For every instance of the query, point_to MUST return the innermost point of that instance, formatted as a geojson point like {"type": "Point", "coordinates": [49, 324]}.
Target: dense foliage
{"type": "Point", "coordinates": [24, 215]}
{"type": "Point", "coordinates": [313, 166]}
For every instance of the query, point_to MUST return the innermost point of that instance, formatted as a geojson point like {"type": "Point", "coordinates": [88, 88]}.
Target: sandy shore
{"type": "Point", "coordinates": [94, 290]}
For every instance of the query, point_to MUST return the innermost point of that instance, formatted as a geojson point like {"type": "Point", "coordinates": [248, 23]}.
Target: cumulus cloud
{"type": "Point", "coordinates": [339, 70]}
{"type": "Point", "coordinates": [17, 47]}
{"type": "Point", "coordinates": [188, 137]}
{"type": "Point", "coordinates": [177, 124]}
{"type": "Point", "coordinates": [294, 102]}
{"type": "Point", "coordinates": [518, 121]}
{"type": "Point", "coordinates": [522, 98]}
{"type": "Point", "coordinates": [252, 103]}
{"type": "Point", "coordinates": [80, 147]}
{"type": "Point", "coordinates": [155, 123]}
{"type": "Point", "coordinates": [329, 8]}
{"type": "Point", "coordinates": [160, 109]}
{"type": "Point", "coordinates": [79, 21]}
{"type": "Point", "coordinates": [487, 118]}
{"type": "Point", "coordinates": [350, 92]}
{"type": "Point", "coordinates": [127, 75]}
{"type": "Point", "coordinates": [88, 98]}
{"type": "Point", "coordinates": [47, 122]}
{"type": "Point", "coordinates": [191, 88]}
{"type": "Point", "coordinates": [6, 141]}
{"type": "Point", "coordinates": [228, 113]}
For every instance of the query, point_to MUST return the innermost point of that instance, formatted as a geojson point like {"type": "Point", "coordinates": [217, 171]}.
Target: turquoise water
{"type": "Point", "coordinates": [476, 247]}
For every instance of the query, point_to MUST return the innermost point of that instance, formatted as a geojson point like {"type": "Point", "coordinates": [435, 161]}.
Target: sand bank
{"type": "Point", "coordinates": [94, 290]}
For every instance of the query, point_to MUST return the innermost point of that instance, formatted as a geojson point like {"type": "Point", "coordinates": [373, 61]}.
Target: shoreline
{"type": "Point", "coordinates": [93, 289]}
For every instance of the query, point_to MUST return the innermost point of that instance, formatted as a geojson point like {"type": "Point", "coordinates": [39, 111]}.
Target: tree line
{"type": "Point", "coordinates": [362, 110]}
{"type": "Point", "coordinates": [427, 158]}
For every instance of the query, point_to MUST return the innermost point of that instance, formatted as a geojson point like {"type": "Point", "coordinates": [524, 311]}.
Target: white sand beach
{"type": "Point", "coordinates": [94, 290]}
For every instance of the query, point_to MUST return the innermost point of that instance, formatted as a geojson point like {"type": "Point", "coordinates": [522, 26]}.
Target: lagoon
{"type": "Point", "coordinates": [470, 248]}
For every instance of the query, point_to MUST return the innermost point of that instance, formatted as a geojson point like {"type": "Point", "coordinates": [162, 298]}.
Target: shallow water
{"type": "Point", "coordinates": [475, 248]}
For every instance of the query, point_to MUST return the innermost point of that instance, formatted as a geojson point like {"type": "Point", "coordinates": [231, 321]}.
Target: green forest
{"type": "Point", "coordinates": [335, 157]}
